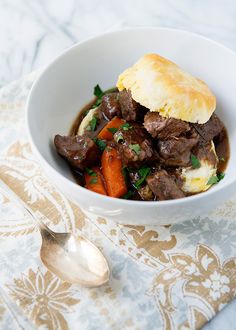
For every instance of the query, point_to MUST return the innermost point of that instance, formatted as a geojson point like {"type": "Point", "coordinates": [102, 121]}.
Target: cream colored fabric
{"type": "Point", "coordinates": [160, 85]}
{"type": "Point", "coordinates": [162, 277]}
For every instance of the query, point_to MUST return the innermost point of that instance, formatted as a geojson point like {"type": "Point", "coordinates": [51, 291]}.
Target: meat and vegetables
{"type": "Point", "coordinates": [164, 128]}
{"type": "Point", "coordinates": [164, 186]}
{"type": "Point", "coordinates": [121, 149]}
{"type": "Point", "coordinates": [134, 144]}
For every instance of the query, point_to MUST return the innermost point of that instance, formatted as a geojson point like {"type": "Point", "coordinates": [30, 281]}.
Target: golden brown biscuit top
{"type": "Point", "coordinates": [161, 85]}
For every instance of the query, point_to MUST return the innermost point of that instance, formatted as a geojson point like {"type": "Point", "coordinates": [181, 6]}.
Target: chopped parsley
{"type": "Point", "coordinates": [119, 138]}
{"type": "Point", "coordinates": [222, 159]}
{"type": "Point", "coordinates": [128, 194]}
{"type": "Point", "coordinates": [90, 171]}
{"type": "Point", "coordinates": [111, 90]}
{"type": "Point", "coordinates": [126, 126]}
{"type": "Point", "coordinates": [216, 178]}
{"type": "Point", "coordinates": [113, 130]}
{"type": "Point", "coordinates": [143, 173]}
{"type": "Point", "coordinates": [92, 174]}
{"type": "Point", "coordinates": [92, 124]}
{"type": "Point", "coordinates": [135, 147]}
{"type": "Point", "coordinates": [93, 181]}
{"type": "Point", "coordinates": [86, 112]}
{"type": "Point", "coordinates": [213, 180]}
{"type": "Point", "coordinates": [220, 176]}
{"type": "Point", "coordinates": [124, 172]}
{"type": "Point", "coordinates": [98, 92]}
{"type": "Point", "coordinates": [195, 162]}
{"type": "Point", "coordinates": [100, 143]}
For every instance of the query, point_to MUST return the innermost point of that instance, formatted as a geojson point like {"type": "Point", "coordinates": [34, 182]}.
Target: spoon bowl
{"type": "Point", "coordinates": [70, 257]}
{"type": "Point", "coordinates": [73, 259]}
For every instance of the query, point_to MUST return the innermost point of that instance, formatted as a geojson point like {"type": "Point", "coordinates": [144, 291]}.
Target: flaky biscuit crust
{"type": "Point", "coordinates": [160, 85]}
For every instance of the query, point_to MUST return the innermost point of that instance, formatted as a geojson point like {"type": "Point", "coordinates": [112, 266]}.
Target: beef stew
{"type": "Point", "coordinates": [127, 151]}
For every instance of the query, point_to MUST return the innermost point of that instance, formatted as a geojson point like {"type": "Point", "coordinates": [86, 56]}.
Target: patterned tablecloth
{"type": "Point", "coordinates": [169, 277]}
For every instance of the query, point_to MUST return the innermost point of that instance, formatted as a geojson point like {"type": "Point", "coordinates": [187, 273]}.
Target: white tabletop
{"type": "Point", "coordinates": [33, 32]}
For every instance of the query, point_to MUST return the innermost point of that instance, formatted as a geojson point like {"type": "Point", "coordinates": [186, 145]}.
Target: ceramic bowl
{"type": "Point", "coordinates": [66, 85]}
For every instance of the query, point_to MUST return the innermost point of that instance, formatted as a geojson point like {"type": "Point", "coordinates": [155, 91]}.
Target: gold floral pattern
{"type": "Point", "coordinates": [204, 280]}
{"type": "Point", "coordinates": [152, 276]}
{"type": "Point", "coordinates": [150, 245]}
{"type": "Point", "coordinates": [22, 173]}
{"type": "Point", "coordinates": [2, 310]}
{"type": "Point", "coordinates": [44, 298]}
{"type": "Point", "coordinates": [149, 241]}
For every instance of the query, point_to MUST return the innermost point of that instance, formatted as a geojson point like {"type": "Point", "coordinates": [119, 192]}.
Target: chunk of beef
{"type": "Point", "coordinates": [206, 152]}
{"type": "Point", "coordinates": [110, 105]}
{"type": "Point", "coordinates": [129, 108]}
{"type": "Point", "coordinates": [79, 151]}
{"type": "Point", "coordinates": [164, 186]}
{"type": "Point", "coordinates": [164, 128]}
{"type": "Point", "coordinates": [209, 130]}
{"type": "Point", "coordinates": [134, 145]}
{"type": "Point", "coordinates": [176, 151]}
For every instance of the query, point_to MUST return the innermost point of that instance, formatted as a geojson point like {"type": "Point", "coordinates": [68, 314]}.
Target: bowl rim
{"type": "Point", "coordinates": [210, 193]}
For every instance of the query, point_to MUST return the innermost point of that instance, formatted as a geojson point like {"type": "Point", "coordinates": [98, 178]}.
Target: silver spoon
{"type": "Point", "coordinates": [72, 258]}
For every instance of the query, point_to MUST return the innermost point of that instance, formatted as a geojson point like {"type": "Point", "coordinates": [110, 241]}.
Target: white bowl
{"type": "Point", "coordinates": [67, 84]}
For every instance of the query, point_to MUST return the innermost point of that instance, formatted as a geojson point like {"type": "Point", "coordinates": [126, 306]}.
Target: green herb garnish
{"type": "Point", "coordinates": [119, 138]}
{"type": "Point", "coordinates": [216, 178]}
{"type": "Point", "coordinates": [92, 124]}
{"type": "Point", "coordinates": [143, 173]}
{"type": "Point", "coordinates": [135, 147]}
{"type": "Point", "coordinates": [124, 172]}
{"type": "Point", "coordinates": [98, 92]}
{"type": "Point", "coordinates": [90, 171]}
{"type": "Point", "coordinates": [195, 162]}
{"type": "Point", "coordinates": [100, 143]}
{"type": "Point", "coordinates": [93, 181]}
{"type": "Point", "coordinates": [111, 90]}
{"type": "Point", "coordinates": [222, 159]}
{"type": "Point", "coordinates": [126, 126]}
{"type": "Point", "coordinates": [220, 176]}
{"type": "Point", "coordinates": [128, 194]}
{"type": "Point", "coordinates": [86, 112]}
{"type": "Point", "coordinates": [113, 130]}
{"type": "Point", "coordinates": [212, 180]}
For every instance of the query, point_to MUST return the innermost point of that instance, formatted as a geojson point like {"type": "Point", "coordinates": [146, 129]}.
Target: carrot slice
{"type": "Point", "coordinates": [94, 180]}
{"type": "Point", "coordinates": [112, 173]}
{"type": "Point", "coordinates": [106, 133]}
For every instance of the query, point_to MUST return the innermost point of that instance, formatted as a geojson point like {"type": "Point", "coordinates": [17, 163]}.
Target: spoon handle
{"type": "Point", "coordinates": [12, 195]}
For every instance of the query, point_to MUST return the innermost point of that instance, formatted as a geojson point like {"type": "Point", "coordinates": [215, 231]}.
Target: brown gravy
{"type": "Point", "coordinates": [80, 117]}
{"type": "Point", "coordinates": [222, 150]}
